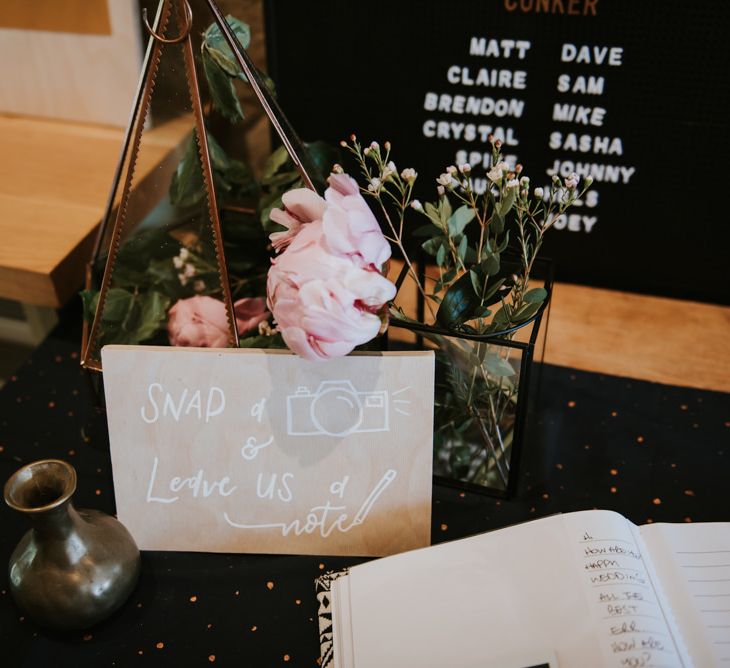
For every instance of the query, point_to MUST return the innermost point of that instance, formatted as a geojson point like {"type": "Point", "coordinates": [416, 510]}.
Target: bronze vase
{"type": "Point", "coordinates": [74, 567]}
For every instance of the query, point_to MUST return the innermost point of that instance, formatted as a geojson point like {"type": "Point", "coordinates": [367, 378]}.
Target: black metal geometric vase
{"type": "Point", "coordinates": [485, 388]}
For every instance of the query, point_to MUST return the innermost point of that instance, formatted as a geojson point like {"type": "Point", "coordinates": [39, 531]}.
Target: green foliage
{"type": "Point", "coordinates": [221, 68]}
{"type": "Point", "coordinates": [215, 44]}
{"type": "Point", "coordinates": [128, 317]}
{"type": "Point", "coordinates": [258, 341]}
{"type": "Point", "coordinates": [458, 303]}
{"type": "Point", "coordinates": [221, 88]}
{"type": "Point", "coordinates": [232, 178]}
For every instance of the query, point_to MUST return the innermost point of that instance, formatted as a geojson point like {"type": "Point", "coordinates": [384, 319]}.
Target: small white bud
{"type": "Point", "coordinates": [375, 184]}
{"type": "Point", "coordinates": [539, 192]}
{"type": "Point", "coordinates": [465, 168]}
{"type": "Point", "coordinates": [415, 204]}
{"type": "Point", "coordinates": [513, 183]}
{"type": "Point", "coordinates": [409, 174]}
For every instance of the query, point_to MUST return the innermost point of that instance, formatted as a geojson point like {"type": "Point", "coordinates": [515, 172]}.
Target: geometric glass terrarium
{"type": "Point", "coordinates": [172, 214]}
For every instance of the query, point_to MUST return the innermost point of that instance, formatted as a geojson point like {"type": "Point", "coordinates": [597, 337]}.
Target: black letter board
{"type": "Point", "coordinates": [634, 93]}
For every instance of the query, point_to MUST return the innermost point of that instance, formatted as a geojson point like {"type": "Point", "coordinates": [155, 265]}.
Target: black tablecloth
{"type": "Point", "coordinates": [648, 451]}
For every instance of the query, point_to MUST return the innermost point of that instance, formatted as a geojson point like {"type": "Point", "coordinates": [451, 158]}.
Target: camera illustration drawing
{"type": "Point", "coordinates": [336, 408]}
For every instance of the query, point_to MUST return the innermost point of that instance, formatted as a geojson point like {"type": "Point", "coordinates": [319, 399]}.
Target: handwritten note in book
{"type": "Point", "coordinates": [247, 451]}
{"type": "Point", "coordinates": [628, 610]}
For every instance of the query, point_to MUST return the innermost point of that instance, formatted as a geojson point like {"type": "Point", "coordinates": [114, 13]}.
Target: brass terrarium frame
{"type": "Point", "coordinates": [116, 214]}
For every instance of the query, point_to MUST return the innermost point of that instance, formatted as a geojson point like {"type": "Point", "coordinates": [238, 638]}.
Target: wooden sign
{"type": "Point", "coordinates": [258, 451]}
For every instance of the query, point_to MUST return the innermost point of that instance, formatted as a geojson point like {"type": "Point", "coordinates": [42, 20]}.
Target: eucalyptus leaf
{"type": "Point", "coordinates": [496, 223]}
{"type": "Point", "coordinates": [507, 201]}
{"type": "Point", "coordinates": [492, 294]}
{"type": "Point", "coordinates": [482, 312]}
{"type": "Point", "coordinates": [504, 243]}
{"type": "Point", "coordinates": [460, 219]}
{"type": "Point", "coordinates": [458, 303]}
{"type": "Point", "coordinates": [497, 365]}
{"type": "Point", "coordinates": [432, 246]}
{"type": "Point", "coordinates": [490, 265]}
{"type": "Point", "coordinates": [433, 213]}
{"type": "Point", "coordinates": [441, 256]}
{"type": "Point", "coordinates": [502, 317]}
{"type": "Point", "coordinates": [444, 211]}
{"type": "Point", "coordinates": [525, 312]}
{"type": "Point", "coordinates": [535, 296]}
{"type": "Point", "coordinates": [477, 280]}
{"type": "Point", "coordinates": [463, 244]}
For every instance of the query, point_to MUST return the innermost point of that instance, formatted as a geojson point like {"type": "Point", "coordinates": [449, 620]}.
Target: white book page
{"type": "Point", "coordinates": [693, 563]}
{"type": "Point", "coordinates": [628, 608]}
{"type": "Point", "coordinates": [341, 622]}
{"type": "Point", "coordinates": [515, 592]}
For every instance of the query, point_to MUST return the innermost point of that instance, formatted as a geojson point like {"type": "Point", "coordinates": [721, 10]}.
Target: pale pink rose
{"type": "Point", "coordinates": [249, 312]}
{"type": "Point", "coordinates": [301, 206]}
{"type": "Point", "coordinates": [350, 227]}
{"type": "Point", "coordinates": [199, 321]}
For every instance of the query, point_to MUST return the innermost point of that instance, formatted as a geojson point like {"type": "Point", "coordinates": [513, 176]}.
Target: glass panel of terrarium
{"type": "Point", "coordinates": [163, 249]}
{"type": "Point", "coordinates": [476, 401]}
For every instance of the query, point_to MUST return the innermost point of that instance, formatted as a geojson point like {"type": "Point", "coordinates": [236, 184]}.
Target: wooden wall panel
{"type": "Point", "coordinates": [66, 75]}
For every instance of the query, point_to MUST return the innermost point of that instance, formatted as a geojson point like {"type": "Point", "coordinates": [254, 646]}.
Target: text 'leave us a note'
{"type": "Point", "coordinates": [253, 451]}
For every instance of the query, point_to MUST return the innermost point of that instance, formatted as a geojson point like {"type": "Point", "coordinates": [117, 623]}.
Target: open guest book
{"type": "Point", "coordinates": [577, 590]}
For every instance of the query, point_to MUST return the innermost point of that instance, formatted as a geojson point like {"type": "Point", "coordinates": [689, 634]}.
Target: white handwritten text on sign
{"type": "Point", "coordinates": [253, 451]}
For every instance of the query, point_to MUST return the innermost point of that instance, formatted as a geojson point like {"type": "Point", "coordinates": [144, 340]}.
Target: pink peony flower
{"type": "Point", "coordinates": [198, 321]}
{"type": "Point", "coordinates": [201, 321]}
{"type": "Point", "coordinates": [326, 290]}
{"type": "Point", "coordinates": [249, 312]}
{"type": "Point", "coordinates": [301, 206]}
{"type": "Point", "coordinates": [349, 225]}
